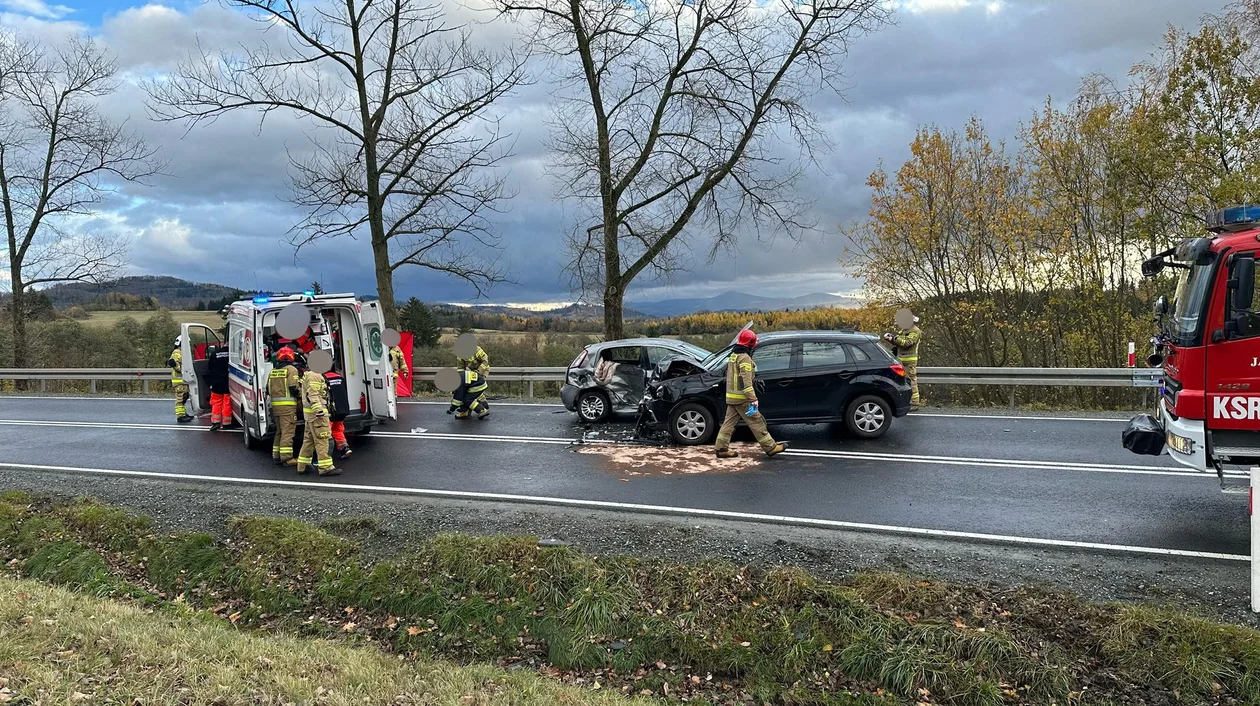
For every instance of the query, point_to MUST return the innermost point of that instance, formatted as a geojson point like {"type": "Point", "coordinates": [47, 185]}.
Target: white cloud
{"type": "Point", "coordinates": [36, 8]}
{"type": "Point", "coordinates": [221, 214]}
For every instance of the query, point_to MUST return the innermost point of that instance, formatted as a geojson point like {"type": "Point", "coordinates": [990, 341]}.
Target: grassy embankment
{"type": "Point", "coordinates": [62, 647]}
{"type": "Point", "coordinates": [710, 632]}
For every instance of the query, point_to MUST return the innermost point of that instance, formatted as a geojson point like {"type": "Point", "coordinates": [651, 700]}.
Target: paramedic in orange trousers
{"type": "Point", "coordinates": [340, 403]}
{"type": "Point", "coordinates": [220, 397]}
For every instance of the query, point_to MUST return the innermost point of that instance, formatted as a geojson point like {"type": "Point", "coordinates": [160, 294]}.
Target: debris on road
{"type": "Point", "coordinates": [645, 460]}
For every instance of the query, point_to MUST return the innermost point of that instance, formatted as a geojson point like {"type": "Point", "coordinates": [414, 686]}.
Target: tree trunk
{"type": "Point", "coordinates": [17, 316]}
{"type": "Point", "coordinates": [384, 280]}
{"type": "Point", "coordinates": [614, 326]}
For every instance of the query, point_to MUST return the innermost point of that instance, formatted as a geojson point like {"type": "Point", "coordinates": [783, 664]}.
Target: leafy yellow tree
{"type": "Point", "coordinates": [952, 233]}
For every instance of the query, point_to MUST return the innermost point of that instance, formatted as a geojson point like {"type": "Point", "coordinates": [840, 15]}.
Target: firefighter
{"type": "Point", "coordinates": [398, 362]}
{"type": "Point", "coordinates": [479, 363]}
{"type": "Point", "coordinates": [340, 403]}
{"type": "Point", "coordinates": [318, 433]}
{"type": "Point", "coordinates": [220, 399]}
{"type": "Point", "coordinates": [907, 342]}
{"type": "Point", "coordinates": [741, 400]}
{"type": "Point", "coordinates": [470, 396]}
{"type": "Point", "coordinates": [284, 388]}
{"type": "Point", "coordinates": [176, 364]}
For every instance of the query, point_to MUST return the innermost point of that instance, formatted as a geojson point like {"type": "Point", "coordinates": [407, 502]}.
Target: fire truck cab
{"type": "Point", "coordinates": [349, 327]}
{"type": "Point", "coordinates": [1208, 411]}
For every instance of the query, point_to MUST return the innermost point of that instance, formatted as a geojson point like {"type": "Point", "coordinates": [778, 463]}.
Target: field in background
{"type": "Point", "coordinates": [106, 319]}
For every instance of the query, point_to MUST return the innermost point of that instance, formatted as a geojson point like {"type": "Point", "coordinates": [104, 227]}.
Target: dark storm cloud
{"type": "Point", "coordinates": [219, 214]}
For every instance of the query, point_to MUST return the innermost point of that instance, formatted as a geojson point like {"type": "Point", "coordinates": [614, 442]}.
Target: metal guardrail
{"type": "Point", "coordinates": [1014, 377]}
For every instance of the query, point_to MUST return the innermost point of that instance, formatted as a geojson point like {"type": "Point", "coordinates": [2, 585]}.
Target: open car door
{"type": "Point", "coordinates": [195, 338]}
{"type": "Point", "coordinates": [382, 398]}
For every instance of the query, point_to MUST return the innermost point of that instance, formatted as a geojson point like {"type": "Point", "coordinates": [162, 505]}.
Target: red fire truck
{"type": "Point", "coordinates": [1208, 413]}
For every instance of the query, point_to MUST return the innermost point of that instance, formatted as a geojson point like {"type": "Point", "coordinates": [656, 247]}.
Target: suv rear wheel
{"type": "Point", "coordinates": [593, 406]}
{"type": "Point", "coordinates": [868, 417]}
{"type": "Point", "coordinates": [692, 424]}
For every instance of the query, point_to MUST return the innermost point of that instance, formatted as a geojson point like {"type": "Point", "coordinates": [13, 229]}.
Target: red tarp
{"type": "Point", "coordinates": [403, 388]}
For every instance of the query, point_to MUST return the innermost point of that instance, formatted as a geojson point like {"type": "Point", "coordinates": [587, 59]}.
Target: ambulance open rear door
{"type": "Point", "coordinates": [194, 338]}
{"type": "Point", "coordinates": [382, 397]}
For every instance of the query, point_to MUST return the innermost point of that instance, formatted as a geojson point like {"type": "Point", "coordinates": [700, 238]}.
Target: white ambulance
{"type": "Point", "coordinates": [353, 327]}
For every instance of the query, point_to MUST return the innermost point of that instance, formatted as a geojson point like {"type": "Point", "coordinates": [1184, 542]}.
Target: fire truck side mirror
{"type": "Point", "coordinates": [1243, 284]}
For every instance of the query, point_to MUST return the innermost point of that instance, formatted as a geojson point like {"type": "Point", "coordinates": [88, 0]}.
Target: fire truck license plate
{"type": "Point", "coordinates": [1180, 444]}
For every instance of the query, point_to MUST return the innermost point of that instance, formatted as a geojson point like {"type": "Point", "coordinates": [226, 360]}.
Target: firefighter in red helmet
{"type": "Point", "coordinates": [283, 386]}
{"type": "Point", "coordinates": [741, 400]}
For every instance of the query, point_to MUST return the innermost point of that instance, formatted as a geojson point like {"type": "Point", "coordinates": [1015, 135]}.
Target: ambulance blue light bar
{"type": "Point", "coordinates": [309, 292]}
{"type": "Point", "coordinates": [1234, 218]}
{"type": "Point", "coordinates": [261, 299]}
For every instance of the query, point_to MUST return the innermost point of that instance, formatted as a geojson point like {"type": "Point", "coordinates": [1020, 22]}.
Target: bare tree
{"type": "Point", "coordinates": [672, 117]}
{"type": "Point", "coordinates": [59, 157]}
{"type": "Point", "coordinates": [405, 143]}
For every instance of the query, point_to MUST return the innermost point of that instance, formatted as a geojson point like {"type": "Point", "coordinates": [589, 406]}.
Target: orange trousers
{"type": "Point", "coordinates": [339, 435]}
{"type": "Point", "coordinates": [220, 408]}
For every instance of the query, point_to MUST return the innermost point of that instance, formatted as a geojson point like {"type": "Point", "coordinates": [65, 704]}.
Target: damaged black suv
{"type": "Point", "coordinates": [803, 377]}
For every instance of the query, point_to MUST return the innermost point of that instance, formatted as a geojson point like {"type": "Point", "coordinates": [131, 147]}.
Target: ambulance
{"type": "Point", "coordinates": [350, 326]}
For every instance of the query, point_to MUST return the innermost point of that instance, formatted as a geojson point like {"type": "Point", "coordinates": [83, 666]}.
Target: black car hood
{"type": "Point", "coordinates": [676, 366]}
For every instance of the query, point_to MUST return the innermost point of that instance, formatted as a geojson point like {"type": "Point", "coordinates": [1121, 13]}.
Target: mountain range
{"type": "Point", "coordinates": [178, 294]}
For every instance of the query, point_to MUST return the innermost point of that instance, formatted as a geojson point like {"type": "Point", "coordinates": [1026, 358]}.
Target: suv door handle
{"type": "Point", "coordinates": [845, 375]}
{"type": "Point", "coordinates": [785, 383]}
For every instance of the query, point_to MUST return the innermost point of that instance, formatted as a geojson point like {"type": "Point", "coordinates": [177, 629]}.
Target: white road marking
{"type": "Point", "coordinates": [975, 462]}
{"type": "Point", "coordinates": [1014, 417]}
{"type": "Point", "coordinates": [653, 509]}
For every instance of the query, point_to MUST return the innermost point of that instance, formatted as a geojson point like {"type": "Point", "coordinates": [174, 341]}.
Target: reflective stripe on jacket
{"type": "Point", "coordinates": [176, 361]}
{"type": "Point", "coordinates": [740, 373]}
{"type": "Point", "coordinates": [907, 344]}
{"type": "Point", "coordinates": [280, 385]}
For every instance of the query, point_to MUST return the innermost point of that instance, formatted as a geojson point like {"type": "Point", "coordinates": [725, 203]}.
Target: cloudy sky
{"type": "Point", "coordinates": [220, 214]}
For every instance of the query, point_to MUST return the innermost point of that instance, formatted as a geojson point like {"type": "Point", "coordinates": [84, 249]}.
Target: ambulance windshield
{"type": "Point", "coordinates": [1190, 304]}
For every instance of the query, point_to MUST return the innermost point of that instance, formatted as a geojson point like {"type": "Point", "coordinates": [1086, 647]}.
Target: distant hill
{"type": "Point", "coordinates": [740, 302]}
{"type": "Point", "coordinates": [149, 292]}
{"type": "Point", "coordinates": [572, 311]}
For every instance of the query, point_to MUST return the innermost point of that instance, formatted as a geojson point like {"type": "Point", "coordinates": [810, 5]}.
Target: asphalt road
{"type": "Point", "coordinates": [1023, 479]}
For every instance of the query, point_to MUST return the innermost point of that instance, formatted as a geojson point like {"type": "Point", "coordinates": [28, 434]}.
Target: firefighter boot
{"type": "Point", "coordinates": [778, 449]}
{"type": "Point", "coordinates": [462, 414]}
{"type": "Point", "coordinates": [727, 453]}
{"type": "Point", "coordinates": [330, 471]}
{"type": "Point", "coordinates": [184, 419]}
{"type": "Point", "coordinates": [483, 415]}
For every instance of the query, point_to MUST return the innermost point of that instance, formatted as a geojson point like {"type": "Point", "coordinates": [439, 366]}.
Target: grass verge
{"type": "Point", "coordinates": [709, 632]}
{"type": "Point", "coordinates": [62, 647]}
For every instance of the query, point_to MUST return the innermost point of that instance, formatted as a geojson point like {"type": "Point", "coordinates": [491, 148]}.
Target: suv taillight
{"type": "Point", "coordinates": [898, 369]}
{"type": "Point", "coordinates": [578, 361]}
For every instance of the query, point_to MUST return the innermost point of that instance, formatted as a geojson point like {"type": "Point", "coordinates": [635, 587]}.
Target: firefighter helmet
{"type": "Point", "coordinates": [285, 354]}
{"type": "Point", "coordinates": [746, 338]}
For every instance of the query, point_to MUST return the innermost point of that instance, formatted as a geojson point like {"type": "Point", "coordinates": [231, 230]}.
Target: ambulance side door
{"type": "Point", "coordinates": [382, 398]}
{"type": "Point", "coordinates": [195, 363]}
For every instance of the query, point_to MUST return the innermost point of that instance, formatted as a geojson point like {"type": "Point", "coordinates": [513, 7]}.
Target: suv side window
{"type": "Point", "coordinates": [857, 355]}
{"type": "Point", "coordinates": [823, 354]}
{"type": "Point", "coordinates": [632, 355]}
{"type": "Point", "coordinates": [773, 357]}
{"type": "Point", "coordinates": [656, 354]}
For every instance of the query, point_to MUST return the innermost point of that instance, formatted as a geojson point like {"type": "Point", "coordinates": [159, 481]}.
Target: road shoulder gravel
{"type": "Point", "coordinates": [1215, 589]}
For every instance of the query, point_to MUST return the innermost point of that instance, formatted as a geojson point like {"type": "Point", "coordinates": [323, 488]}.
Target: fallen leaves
{"type": "Point", "coordinates": [348, 627]}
